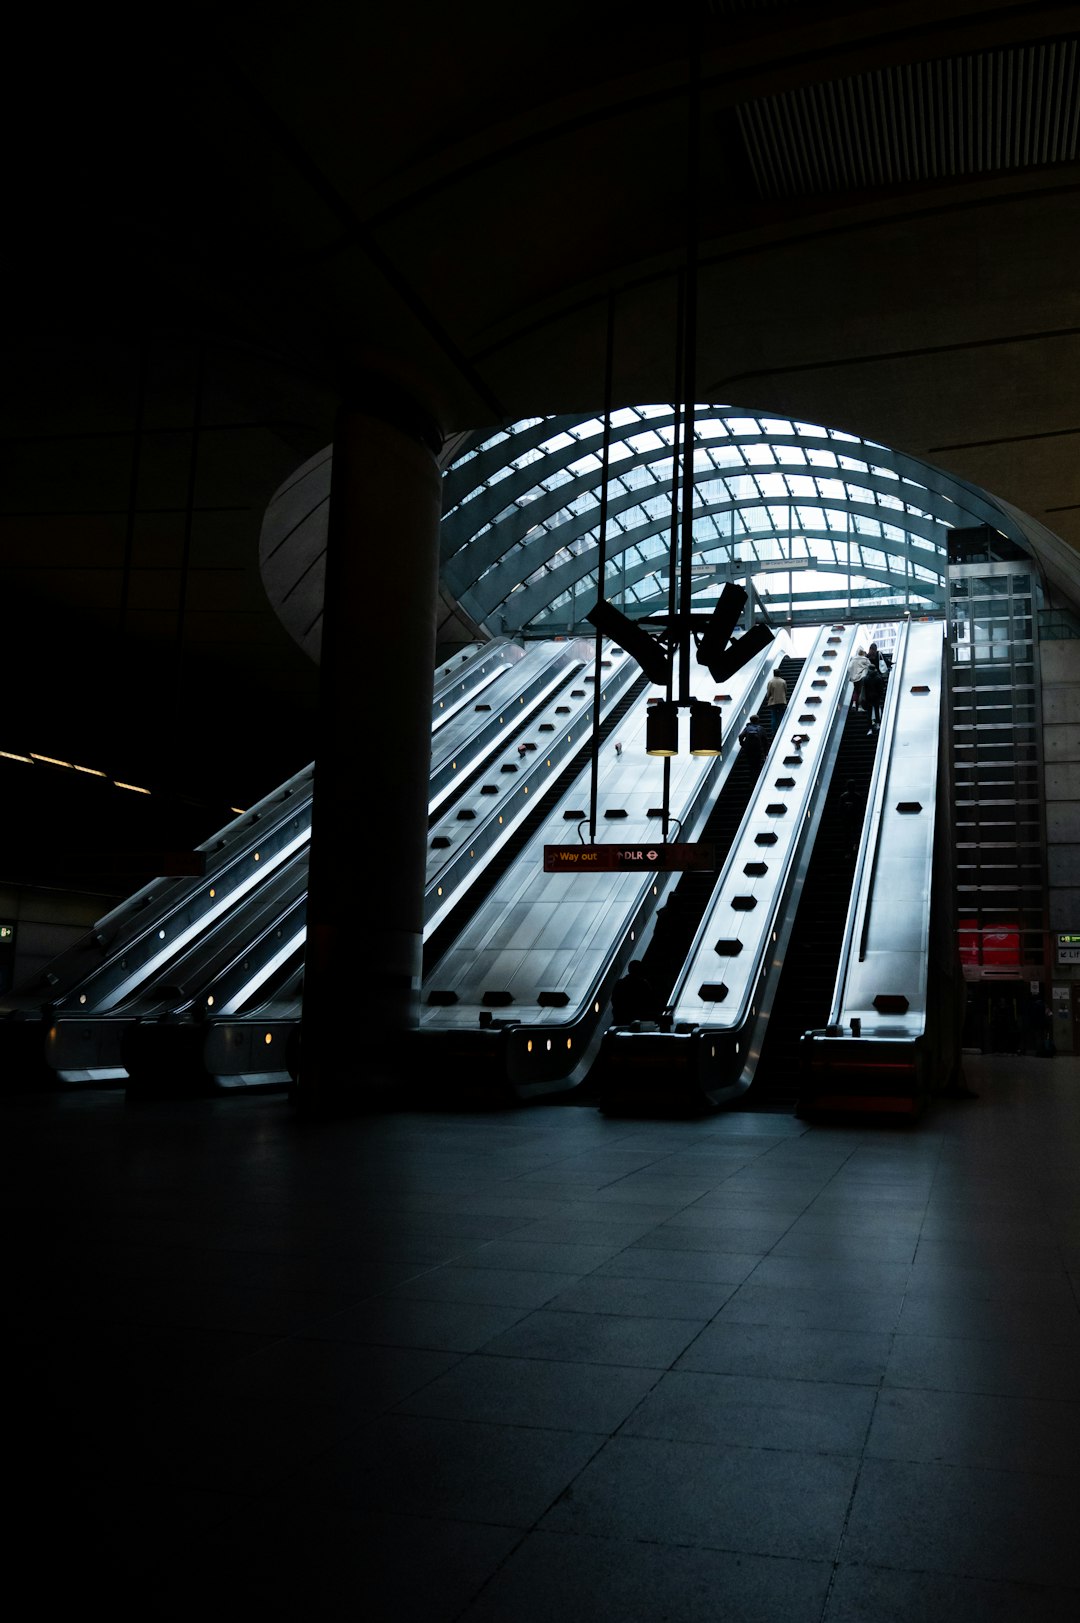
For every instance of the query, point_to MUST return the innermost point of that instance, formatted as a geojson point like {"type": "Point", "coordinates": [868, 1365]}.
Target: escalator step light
{"type": "Point", "coordinates": [497, 1000]}
{"type": "Point", "coordinates": [466, 812]}
{"type": "Point", "coordinates": [764, 839]}
{"type": "Point", "coordinates": [728, 949]}
{"type": "Point", "coordinates": [824, 670]}
{"type": "Point", "coordinates": [547, 727]}
{"type": "Point", "coordinates": [510, 766]}
{"type": "Point", "coordinates": [921, 689]}
{"type": "Point", "coordinates": [834, 639]}
{"type": "Point", "coordinates": [804, 721]}
{"type": "Point", "coordinates": [830, 653]}
{"type": "Point", "coordinates": [489, 789]}
{"type": "Point", "coordinates": [562, 709]}
{"type": "Point", "coordinates": [574, 816]}
{"type": "Point", "coordinates": [712, 992]}
{"type": "Point", "coordinates": [440, 998]}
{"type": "Point", "coordinates": [784, 783]}
{"type": "Point", "coordinates": [754, 870]}
{"type": "Point", "coordinates": [578, 693]}
{"type": "Point", "coordinates": [908, 806]}
{"type": "Point", "coordinates": [776, 808]}
{"type": "Point", "coordinates": [744, 904]}
{"type": "Point", "coordinates": [655, 811]}
{"type": "Point", "coordinates": [605, 662]}
{"type": "Point", "coordinates": [616, 811]}
{"type": "Point", "coordinates": [483, 707]}
{"type": "Point", "coordinates": [817, 684]}
{"type": "Point", "coordinates": [552, 1000]}
{"type": "Point", "coordinates": [530, 745]}
{"type": "Point", "coordinates": [813, 699]}
{"type": "Point", "coordinates": [440, 841]}
{"type": "Point", "coordinates": [891, 1003]}
{"type": "Point", "coordinates": [793, 760]}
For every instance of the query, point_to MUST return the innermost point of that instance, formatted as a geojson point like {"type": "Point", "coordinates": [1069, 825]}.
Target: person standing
{"type": "Point", "coordinates": [858, 665]}
{"type": "Point", "coordinates": [633, 996]}
{"type": "Point", "coordinates": [873, 695]}
{"type": "Point", "coordinates": [752, 747]}
{"type": "Point", "coordinates": [873, 688]}
{"type": "Point", "coordinates": [776, 699]}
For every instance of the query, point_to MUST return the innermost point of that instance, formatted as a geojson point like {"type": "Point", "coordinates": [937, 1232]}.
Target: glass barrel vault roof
{"type": "Point", "coordinates": [817, 523]}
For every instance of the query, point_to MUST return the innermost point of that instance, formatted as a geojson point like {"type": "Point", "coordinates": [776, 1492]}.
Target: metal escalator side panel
{"type": "Point", "coordinates": [736, 946]}
{"type": "Point", "coordinates": [885, 978]}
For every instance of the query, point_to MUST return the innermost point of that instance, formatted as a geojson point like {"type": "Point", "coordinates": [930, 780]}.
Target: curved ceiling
{"type": "Point", "coordinates": [212, 226]}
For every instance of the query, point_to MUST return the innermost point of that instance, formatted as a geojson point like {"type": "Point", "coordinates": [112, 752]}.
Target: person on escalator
{"type": "Point", "coordinates": [633, 996]}
{"type": "Point", "coordinates": [776, 699]}
{"type": "Point", "coordinates": [752, 745]}
{"type": "Point", "coordinates": [873, 689]}
{"type": "Point", "coordinates": [857, 667]}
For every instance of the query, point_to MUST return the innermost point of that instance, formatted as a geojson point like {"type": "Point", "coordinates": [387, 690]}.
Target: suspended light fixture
{"type": "Point", "coordinates": [704, 728]}
{"type": "Point", "coordinates": [662, 728]}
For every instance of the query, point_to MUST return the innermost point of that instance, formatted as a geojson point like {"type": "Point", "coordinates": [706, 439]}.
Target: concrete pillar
{"type": "Point", "coordinates": [372, 757]}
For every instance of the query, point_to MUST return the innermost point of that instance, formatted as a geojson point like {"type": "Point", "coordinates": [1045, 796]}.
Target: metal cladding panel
{"type": "Point", "coordinates": [890, 921]}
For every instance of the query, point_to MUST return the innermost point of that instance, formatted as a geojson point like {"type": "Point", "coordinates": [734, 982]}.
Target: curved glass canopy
{"type": "Point", "coordinates": [815, 523]}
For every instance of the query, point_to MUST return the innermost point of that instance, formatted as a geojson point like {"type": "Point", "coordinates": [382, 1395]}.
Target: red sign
{"type": "Point", "coordinates": [627, 858]}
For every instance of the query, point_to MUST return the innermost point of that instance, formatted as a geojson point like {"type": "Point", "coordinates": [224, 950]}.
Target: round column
{"type": "Point", "coordinates": [365, 918]}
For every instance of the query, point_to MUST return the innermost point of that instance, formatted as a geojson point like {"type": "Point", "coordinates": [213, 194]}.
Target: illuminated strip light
{"type": "Point", "coordinates": [252, 984]}
{"type": "Point", "coordinates": [9, 755]}
{"type": "Point", "coordinates": [152, 964]}
{"type": "Point", "coordinates": [91, 771]}
{"type": "Point", "coordinates": [50, 760]}
{"type": "Point", "coordinates": [134, 787]}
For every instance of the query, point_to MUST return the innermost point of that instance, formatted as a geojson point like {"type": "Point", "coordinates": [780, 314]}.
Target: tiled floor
{"type": "Point", "coordinates": [539, 1364]}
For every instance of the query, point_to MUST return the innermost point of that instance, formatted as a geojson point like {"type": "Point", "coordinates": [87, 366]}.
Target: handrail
{"type": "Point", "coordinates": [862, 881]}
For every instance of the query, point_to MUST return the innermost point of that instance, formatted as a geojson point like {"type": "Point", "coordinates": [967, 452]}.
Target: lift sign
{"type": "Point", "coordinates": [626, 858]}
{"type": "Point", "coordinates": [1068, 949]}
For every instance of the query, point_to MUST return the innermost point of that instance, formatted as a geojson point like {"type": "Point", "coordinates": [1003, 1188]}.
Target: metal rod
{"type": "Point", "coordinates": [601, 566]}
{"type": "Point", "coordinates": [689, 362]}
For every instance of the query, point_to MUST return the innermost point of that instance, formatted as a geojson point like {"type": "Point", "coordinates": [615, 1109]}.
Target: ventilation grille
{"type": "Point", "coordinates": [969, 115]}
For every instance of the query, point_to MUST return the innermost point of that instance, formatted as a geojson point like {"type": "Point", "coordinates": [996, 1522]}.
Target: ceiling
{"type": "Point", "coordinates": [216, 217]}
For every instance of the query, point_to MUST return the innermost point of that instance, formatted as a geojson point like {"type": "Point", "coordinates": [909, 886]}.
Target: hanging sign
{"type": "Point", "coordinates": [676, 858]}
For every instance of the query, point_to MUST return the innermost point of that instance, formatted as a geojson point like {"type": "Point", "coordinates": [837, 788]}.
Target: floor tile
{"type": "Point", "coordinates": [866, 1594]}
{"type": "Point", "coordinates": [709, 1496]}
{"type": "Point", "coordinates": [966, 1428]}
{"type": "Point", "coordinates": [1003, 1526]}
{"type": "Point", "coordinates": [754, 1412]}
{"type": "Point", "coordinates": [612, 1580]}
{"type": "Point", "coordinates": [843, 1356]}
{"type": "Point", "coordinates": [534, 1392]}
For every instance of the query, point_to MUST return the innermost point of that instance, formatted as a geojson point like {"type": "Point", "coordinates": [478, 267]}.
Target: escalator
{"type": "Point", "coordinates": [892, 1035]}
{"type": "Point", "coordinates": [720, 1006]}
{"type": "Point", "coordinates": [678, 919]}
{"type": "Point", "coordinates": [806, 983]}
